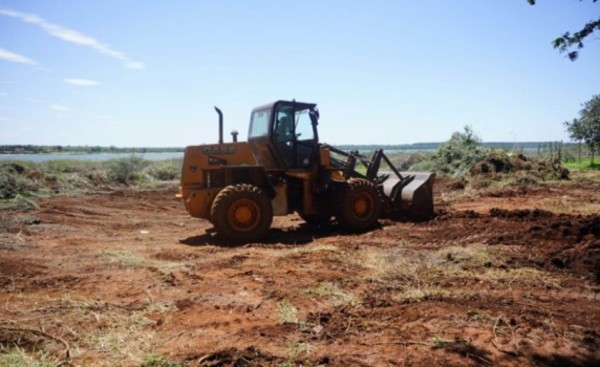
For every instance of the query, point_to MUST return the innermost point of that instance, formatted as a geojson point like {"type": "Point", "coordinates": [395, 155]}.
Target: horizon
{"type": "Point", "coordinates": [484, 143]}
{"type": "Point", "coordinates": [135, 74]}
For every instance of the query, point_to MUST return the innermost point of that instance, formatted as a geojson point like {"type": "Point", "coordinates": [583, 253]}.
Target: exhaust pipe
{"type": "Point", "coordinates": [220, 124]}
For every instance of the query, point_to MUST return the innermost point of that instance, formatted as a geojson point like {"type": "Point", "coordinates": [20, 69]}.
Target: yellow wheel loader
{"type": "Point", "coordinates": [282, 168]}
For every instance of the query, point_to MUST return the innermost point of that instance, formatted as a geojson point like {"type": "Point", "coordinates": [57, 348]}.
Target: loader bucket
{"type": "Point", "coordinates": [411, 196]}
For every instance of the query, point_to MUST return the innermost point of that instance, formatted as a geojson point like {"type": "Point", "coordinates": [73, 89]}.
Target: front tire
{"type": "Point", "coordinates": [241, 213]}
{"type": "Point", "coordinates": [359, 205]}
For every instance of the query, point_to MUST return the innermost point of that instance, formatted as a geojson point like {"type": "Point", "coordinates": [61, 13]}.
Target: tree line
{"type": "Point", "coordinates": [44, 149]}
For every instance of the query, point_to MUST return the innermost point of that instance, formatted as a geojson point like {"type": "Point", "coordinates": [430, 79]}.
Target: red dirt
{"type": "Point", "coordinates": [503, 277]}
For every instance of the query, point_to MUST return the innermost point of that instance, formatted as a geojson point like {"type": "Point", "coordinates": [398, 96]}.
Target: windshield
{"type": "Point", "coordinates": [304, 127]}
{"type": "Point", "coordinates": [259, 123]}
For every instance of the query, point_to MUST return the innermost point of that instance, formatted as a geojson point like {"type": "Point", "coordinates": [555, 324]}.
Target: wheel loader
{"type": "Point", "coordinates": [283, 168]}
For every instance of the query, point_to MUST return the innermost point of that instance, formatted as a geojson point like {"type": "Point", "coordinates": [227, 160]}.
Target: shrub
{"type": "Point", "coordinates": [166, 170]}
{"type": "Point", "coordinates": [413, 159]}
{"type": "Point", "coordinates": [8, 186]}
{"type": "Point", "coordinates": [126, 171]}
{"type": "Point", "coordinates": [13, 181]}
{"type": "Point", "coordinates": [456, 156]}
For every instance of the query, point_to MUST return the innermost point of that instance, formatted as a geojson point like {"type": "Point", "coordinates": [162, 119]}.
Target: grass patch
{"type": "Point", "coordinates": [440, 342]}
{"type": "Point", "coordinates": [165, 170]}
{"type": "Point", "coordinates": [9, 241]}
{"type": "Point", "coordinates": [17, 357]}
{"type": "Point", "coordinates": [19, 203]}
{"type": "Point", "coordinates": [416, 275]}
{"type": "Point", "coordinates": [316, 248]}
{"type": "Point", "coordinates": [288, 314]}
{"type": "Point", "coordinates": [123, 341]}
{"type": "Point", "coordinates": [422, 292]}
{"type": "Point", "coordinates": [584, 165]}
{"type": "Point", "coordinates": [333, 293]}
{"type": "Point", "coordinates": [110, 334]}
{"type": "Point", "coordinates": [73, 176]}
{"type": "Point", "coordinates": [295, 351]}
{"type": "Point", "coordinates": [523, 276]}
{"type": "Point", "coordinates": [153, 360]}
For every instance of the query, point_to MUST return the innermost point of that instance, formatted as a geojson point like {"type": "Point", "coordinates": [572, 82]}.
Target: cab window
{"type": "Point", "coordinates": [304, 127]}
{"type": "Point", "coordinates": [259, 123]}
{"type": "Point", "coordinates": [284, 125]}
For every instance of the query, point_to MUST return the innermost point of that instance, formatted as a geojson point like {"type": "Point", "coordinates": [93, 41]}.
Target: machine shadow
{"type": "Point", "coordinates": [297, 236]}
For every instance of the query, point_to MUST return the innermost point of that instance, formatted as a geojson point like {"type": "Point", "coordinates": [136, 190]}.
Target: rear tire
{"type": "Point", "coordinates": [241, 213]}
{"type": "Point", "coordinates": [359, 205]}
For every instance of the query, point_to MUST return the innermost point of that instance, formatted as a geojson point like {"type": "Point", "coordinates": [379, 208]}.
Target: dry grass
{"type": "Point", "coordinates": [123, 340]}
{"type": "Point", "coordinates": [333, 293]}
{"type": "Point", "coordinates": [132, 259]}
{"type": "Point", "coordinates": [17, 357]}
{"type": "Point", "coordinates": [10, 241]}
{"type": "Point", "coordinates": [317, 248]}
{"type": "Point", "coordinates": [287, 313]}
{"type": "Point", "coordinates": [111, 334]}
{"type": "Point", "coordinates": [416, 275]}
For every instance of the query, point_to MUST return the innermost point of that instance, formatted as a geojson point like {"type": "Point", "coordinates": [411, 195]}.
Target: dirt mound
{"type": "Point", "coordinates": [576, 238]}
{"type": "Point", "coordinates": [250, 356]}
{"type": "Point", "coordinates": [530, 170]}
{"type": "Point", "coordinates": [520, 213]}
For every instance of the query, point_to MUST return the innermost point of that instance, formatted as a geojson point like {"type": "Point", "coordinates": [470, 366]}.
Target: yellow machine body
{"type": "Point", "coordinates": [282, 168]}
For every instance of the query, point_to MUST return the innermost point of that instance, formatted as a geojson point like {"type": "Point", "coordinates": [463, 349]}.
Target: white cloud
{"type": "Point", "coordinates": [5, 119]}
{"type": "Point", "coordinates": [82, 82]}
{"type": "Point", "coordinates": [2, 94]}
{"type": "Point", "coordinates": [72, 36]}
{"type": "Point", "coordinates": [60, 108]}
{"type": "Point", "coordinates": [14, 57]}
{"type": "Point", "coordinates": [137, 65]}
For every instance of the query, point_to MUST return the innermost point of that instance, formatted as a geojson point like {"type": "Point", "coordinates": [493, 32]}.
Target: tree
{"type": "Point", "coordinates": [576, 132]}
{"type": "Point", "coordinates": [568, 41]}
{"type": "Point", "coordinates": [458, 154]}
{"type": "Point", "coordinates": [587, 126]}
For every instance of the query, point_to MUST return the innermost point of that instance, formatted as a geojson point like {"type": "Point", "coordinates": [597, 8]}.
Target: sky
{"type": "Point", "coordinates": [147, 73]}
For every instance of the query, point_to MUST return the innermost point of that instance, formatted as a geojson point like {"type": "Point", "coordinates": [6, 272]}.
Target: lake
{"type": "Point", "coordinates": [89, 157]}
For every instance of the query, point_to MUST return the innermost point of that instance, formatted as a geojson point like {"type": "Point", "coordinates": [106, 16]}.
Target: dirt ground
{"type": "Point", "coordinates": [503, 276]}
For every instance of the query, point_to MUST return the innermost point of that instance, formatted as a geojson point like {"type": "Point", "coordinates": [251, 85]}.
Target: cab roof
{"type": "Point", "coordinates": [298, 105]}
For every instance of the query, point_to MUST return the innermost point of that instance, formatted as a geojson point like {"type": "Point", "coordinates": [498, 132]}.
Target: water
{"type": "Point", "coordinates": [89, 157]}
{"type": "Point", "coordinates": [525, 148]}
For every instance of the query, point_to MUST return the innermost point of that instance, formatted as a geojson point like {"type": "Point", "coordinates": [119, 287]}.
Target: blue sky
{"type": "Point", "coordinates": [147, 73]}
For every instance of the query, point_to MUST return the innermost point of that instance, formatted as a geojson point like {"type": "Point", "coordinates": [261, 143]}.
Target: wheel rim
{"type": "Point", "coordinates": [244, 215]}
{"type": "Point", "coordinates": [362, 206]}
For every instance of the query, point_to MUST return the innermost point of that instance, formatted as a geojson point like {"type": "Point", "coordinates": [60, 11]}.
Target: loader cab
{"type": "Point", "coordinates": [283, 135]}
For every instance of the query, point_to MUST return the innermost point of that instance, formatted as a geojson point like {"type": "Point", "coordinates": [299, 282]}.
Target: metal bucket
{"type": "Point", "coordinates": [411, 196]}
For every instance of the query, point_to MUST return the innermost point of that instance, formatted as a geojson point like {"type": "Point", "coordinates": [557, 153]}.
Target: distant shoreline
{"type": "Point", "coordinates": [80, 150]}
